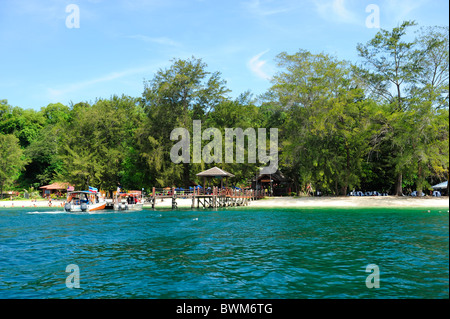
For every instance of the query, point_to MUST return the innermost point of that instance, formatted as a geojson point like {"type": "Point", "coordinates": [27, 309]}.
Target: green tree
{"type": "Point", "coordinates": [44, 165]}
{"type": "Point", "coordinates": [11, 160]}
{"type": "Point", "coordinates": [24, 124]}
{"type": "Point", "coordinates": [241, 113]}
{"type": "Point", "coordinates": [325, 135]}
{"type": "Point", "coordinates": [390, 68]}
{"type": "Point", "coordinates": [411, 78]}
{"type": "Point", "coordinates": [173, 98]}
{"type": "Point", "coordinates": [430, 106]}
{"type": "Point", "coordinates": [96, 140]}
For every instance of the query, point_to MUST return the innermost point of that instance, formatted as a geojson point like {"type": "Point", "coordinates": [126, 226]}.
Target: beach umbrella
{"type": "Point", "coordinates": [442, 185]}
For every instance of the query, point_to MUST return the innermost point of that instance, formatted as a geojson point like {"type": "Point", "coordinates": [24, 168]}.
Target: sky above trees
{"type": "Point", "coordinates": [119, 44]}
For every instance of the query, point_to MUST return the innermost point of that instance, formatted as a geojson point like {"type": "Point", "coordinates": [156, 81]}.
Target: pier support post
{"type": "Point", "coordinates": [153, 199]}
{"type": "Point", "coordinates": [174, 202]}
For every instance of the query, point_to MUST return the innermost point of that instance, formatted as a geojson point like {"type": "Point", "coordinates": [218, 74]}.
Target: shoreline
{"type": "Point", "coordinates": [284, 202]}
{"type": "Point", "coordinates": [29, 203]}
{"type": "Point", "coordinates": [353, 201]}
{"type": "Point", "coordinates": [330, 202]}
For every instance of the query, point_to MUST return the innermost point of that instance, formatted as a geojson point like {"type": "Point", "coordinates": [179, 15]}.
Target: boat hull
{"type": "Point", "coordinates": [123, 206]}
{"type": "Point", "coordinates": [87, 208]}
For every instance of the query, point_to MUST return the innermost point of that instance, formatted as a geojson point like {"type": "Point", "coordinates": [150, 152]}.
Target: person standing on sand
{"type": "Point", "coordinates": [49, 201]}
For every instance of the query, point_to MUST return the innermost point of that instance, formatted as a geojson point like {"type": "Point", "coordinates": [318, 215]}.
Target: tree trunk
{"type": "Point", "coordinates": [399, 99]}
{"type": "Point", "coordinates": [347, 171]}
{"type": "Point", "coordinates": [448, 174]}
{"type": "Point", "coordinates": [419, 181]}
{"type": "Point", "coordinates": [398, 187]}
{"type": "Point", "coordinates": [186, 179]}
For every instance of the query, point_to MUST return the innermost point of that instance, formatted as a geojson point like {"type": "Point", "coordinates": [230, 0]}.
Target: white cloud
{"type": "Point", "coordinates": [33, 11]}
{"type": "Point", "coordinates": [399, 10]}
{"type": "Point", "coordinates": [158, 40]}
{"type": "Point", "coordinates": [256, 66]}
{"type": "Point", "coordinates": [56, 94]}
{"type": "Point", "coordinates": [144, 5]}
{"type": "Point", "coordinates": [336, 10]}
{"type": "Point", "coordinates": [49, 12]}
{"type": "Point", "coordinates": [264, 9]}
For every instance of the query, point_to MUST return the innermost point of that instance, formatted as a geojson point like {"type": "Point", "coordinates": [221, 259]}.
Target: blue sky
{"type": "Point", "coordinates": [120, 43]}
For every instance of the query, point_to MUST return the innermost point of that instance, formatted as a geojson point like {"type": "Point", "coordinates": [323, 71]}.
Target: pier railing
{"type": "Point", "coordinates": [207, 198]}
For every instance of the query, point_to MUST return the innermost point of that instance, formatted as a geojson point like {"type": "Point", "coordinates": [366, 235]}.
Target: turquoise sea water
{"type": "Point", "coordinates": [233, 253]}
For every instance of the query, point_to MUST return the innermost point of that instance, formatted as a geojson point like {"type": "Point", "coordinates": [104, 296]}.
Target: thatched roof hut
{"type": "Point", "coordinates": [54, 188]}
{"type": "Point", "coordinates": [215, 172]}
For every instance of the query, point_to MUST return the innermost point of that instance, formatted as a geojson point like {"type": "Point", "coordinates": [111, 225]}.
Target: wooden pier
{"type": "Point", "coordinates": [218, 197]}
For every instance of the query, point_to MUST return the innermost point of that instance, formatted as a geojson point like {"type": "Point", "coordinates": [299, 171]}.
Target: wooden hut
{"type": "Point", "coordinates": [215, 172]}
{"type": "Point", "coordinates": [275, 184]}
{"type": "Point", "coordinates": [55, 188]}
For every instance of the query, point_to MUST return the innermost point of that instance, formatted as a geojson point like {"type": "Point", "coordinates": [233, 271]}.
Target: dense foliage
{"type": "Point", "coordinates": [381, 124]}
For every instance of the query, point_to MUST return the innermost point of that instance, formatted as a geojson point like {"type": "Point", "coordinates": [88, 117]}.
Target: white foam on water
{"type": "Point", "coordinates": [48, 212]}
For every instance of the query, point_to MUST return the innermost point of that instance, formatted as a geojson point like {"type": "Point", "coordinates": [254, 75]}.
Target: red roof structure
{"type": "Point", "coordinates": [59, 187]}
{"type": "Point", "coordinates": [56, 186]}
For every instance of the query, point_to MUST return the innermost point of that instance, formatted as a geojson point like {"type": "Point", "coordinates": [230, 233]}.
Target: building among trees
{"type": "Point", "coordinates": [56, 188]}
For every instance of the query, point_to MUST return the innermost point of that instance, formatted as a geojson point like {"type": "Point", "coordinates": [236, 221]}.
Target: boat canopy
{"type": "Point", "coordinates": [128, 194]}
{"type": "Point", "coordinates": [82, 192]}
{"type": "Point", "coordinates": [440, 185]}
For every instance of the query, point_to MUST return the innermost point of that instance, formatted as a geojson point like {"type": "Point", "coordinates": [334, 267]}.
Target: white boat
{"type": "Point", "coordinates": [84, 201]}
{"type": "Point", "coordinates": [128, 201]}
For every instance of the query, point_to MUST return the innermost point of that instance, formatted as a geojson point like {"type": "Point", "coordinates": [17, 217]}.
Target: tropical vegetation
{"type": "Point", "coordinates": [377, 124]}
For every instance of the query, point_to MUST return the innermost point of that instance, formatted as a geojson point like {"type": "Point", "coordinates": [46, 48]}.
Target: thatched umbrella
{"type": "Point", "coordinates": [215, 172]}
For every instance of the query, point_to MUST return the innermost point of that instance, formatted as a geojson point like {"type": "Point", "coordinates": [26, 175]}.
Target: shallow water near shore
{"type": "Point", "coordinates": [229, 253]}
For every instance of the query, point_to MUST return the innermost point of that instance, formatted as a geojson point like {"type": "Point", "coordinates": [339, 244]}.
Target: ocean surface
{"type": "Point", "coordinates": [229, 253]}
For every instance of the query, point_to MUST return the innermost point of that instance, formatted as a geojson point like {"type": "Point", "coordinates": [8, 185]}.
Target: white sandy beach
{"type": "Point", "coordinates": [353, 201]}
{"type": "Point", "coordinates": [375, 201]}
{"type": "Point", "coordinates": [29, 203]}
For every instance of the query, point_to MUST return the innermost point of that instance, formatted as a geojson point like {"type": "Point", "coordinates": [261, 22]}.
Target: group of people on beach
{"type": "Point", "coordinates": [375, 193]}
{"type": "Point", "coordinates": [359, 193]}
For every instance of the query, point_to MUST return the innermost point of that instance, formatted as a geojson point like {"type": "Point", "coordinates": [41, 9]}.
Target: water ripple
{"type": "Point", "coordinates": [224, 254]}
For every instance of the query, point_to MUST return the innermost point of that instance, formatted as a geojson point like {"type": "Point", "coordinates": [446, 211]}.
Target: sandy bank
{"type": "Point", "coordinates": [376, 201]}
{"type": "Point", "coordinates": [29, 203]}
{"type": "Point", "coordinates": [353, 201]}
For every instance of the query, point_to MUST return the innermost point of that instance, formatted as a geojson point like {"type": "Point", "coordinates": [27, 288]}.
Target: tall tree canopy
{"type": "Point", "coordinates": [11, 159]}
{"type": "Point", "coordinates": [380, 123]}
{"type": "Point", "coordinates": [175, 97]}
{"type": "Point", "coordinates": [411, 78]}
{"type": "Point", "coordinates": [326, 134]}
